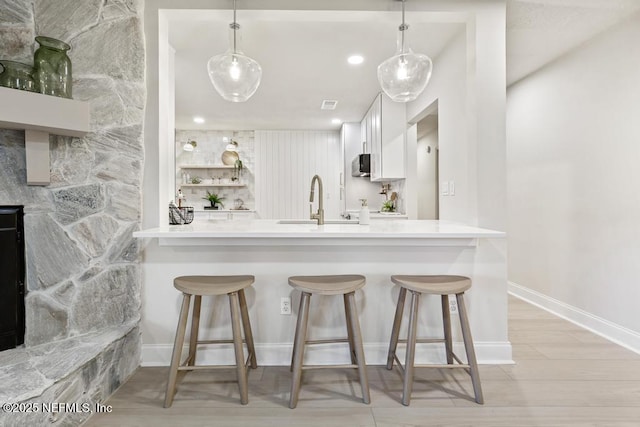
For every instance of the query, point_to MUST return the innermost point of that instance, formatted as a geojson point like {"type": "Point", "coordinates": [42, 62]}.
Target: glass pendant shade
{"type": "Point", "coordinates": [234, 75]}
{"type": "Point", "coordinates": [404, 76]}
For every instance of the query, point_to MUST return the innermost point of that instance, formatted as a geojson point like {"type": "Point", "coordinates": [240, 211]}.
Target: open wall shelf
{"type": "Point", "coordinates": [40, 115]}
{"type": "Point", "coordinates": [206, 167]}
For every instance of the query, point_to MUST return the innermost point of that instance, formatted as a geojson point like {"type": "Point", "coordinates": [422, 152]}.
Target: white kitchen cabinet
{"type": "Point", "coordinates": [385, 124]}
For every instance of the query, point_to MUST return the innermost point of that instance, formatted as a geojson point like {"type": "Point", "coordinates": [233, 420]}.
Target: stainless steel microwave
{"type": "Point", "coordinates": [361, 165]}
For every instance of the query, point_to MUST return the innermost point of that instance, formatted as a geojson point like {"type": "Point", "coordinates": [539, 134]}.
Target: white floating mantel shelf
{"type": "Point", "coordinates": [40, 115]}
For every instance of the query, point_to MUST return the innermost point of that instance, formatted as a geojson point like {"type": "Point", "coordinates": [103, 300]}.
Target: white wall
{"type": "Point", "coordinates": [574, 204]}
{"type": "Point", "coordinates": [286, 161]}
{"type": "Point", "coordinates": [468, 83]}
{"type": "Point", "coordinates": [445, 88]}
{"type": "Point", "coordinates": [273, 332]}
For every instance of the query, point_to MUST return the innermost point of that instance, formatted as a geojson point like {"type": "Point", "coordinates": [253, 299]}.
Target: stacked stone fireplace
{"type": "Point", "coordinates": [83, 276]}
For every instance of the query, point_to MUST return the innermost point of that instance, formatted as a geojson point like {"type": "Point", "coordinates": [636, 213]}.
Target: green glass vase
{"type": "Point", "coordinates": [52, 67]}
{"type": "Point", "coordinates": [16, 75]}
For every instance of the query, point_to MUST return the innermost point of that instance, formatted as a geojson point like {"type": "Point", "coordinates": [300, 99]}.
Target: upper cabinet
{"type": "Point", "coordinates": [384, 128]}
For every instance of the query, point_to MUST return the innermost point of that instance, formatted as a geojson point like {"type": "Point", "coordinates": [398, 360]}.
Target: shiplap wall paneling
{"type": "Point", "coordinates": [285, 164]}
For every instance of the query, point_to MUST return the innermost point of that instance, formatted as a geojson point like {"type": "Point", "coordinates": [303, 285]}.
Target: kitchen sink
{"type": "Point", "coordinates": [313, 221]}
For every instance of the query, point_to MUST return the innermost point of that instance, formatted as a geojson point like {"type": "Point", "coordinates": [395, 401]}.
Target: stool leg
{"type": "Point", "coordinates": [395, 331]}
{"type": "Point", "coordinates": [177, 350]}
{"type": "Point", "coordinates": [411, 349]}
{"type": "Point", "coordinates": [295, 342]}
{"type": "Point", "coordinates": [446, 325]}
{"type": "Point", "coordinates": [468, 346]}
{"type": "Point", "coordinates": [298, 348]}
{"type": "Point", "coordinates": [237, 345]}
{"type": "Point", "coordinates": [195, 325]}
{"type": "Point", "coordinates": [347, 311]}
{"type": "Point", "coordinates": [246, 325]}
{"type": "Point", "coordinates": [357, 338]}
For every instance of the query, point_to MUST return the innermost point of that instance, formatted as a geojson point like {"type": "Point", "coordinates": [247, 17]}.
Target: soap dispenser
{"type": "Point", "coordinates": [364, 216]}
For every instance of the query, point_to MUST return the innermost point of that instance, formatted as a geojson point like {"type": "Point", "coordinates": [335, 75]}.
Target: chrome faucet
{"type": "Point", "coordinates": [319, 216]}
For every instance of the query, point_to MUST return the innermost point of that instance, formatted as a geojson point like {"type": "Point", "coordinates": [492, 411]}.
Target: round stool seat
{"type": "Point", "coordinates": [212, 285]}
{"type": "Point", "coordinates": [328, 285]}
{"type": "Point", "coordinates": [439, 285]}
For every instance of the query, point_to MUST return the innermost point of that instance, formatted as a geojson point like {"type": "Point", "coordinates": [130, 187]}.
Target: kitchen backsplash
{"type": "Point", "coordinates": [210, 146]}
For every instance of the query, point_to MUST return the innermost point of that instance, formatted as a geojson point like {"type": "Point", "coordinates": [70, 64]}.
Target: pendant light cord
{"type": "Point", "coordinates": [234, 25]}
{"type": "Point", "coordinates": [402, 27]}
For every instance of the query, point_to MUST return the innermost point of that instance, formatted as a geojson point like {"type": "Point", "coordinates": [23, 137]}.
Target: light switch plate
{"type": "Point", "coordinates": [444, 188]}
{"type": "Point", "coordinates": [452, 188]}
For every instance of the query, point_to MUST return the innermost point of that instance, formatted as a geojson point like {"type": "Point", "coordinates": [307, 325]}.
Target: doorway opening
{"type": "Point", "coordinates": [427, 167]}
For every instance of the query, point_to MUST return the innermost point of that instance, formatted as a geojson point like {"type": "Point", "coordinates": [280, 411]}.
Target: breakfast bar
{"type": "Point", "coordinates": [273, 250]}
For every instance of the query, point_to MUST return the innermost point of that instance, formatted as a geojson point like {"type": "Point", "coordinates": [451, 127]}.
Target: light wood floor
{"type": "Point", "coordinates": [563, 376]}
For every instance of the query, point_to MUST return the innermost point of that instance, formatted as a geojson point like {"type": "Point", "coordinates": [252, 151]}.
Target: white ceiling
{"type": "Point", "coordinates": [539, 31]}
{"type": "Point", "coordinates": [303, 56]}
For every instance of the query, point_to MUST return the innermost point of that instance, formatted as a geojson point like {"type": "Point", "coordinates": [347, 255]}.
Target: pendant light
{"type": "Point", "coordinates": [405, 75]}
{"type": "Point", "coordinates": [235, 76]}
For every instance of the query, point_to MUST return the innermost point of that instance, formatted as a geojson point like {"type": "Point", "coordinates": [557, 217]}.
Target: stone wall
{"type": "Point", "coordinates": [83, 270]}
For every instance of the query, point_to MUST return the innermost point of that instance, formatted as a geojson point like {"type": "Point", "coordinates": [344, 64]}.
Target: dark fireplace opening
{"type": "Point", "coordinates": [12, 276]}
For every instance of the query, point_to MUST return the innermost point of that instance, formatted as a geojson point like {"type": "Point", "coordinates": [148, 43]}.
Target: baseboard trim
{"type": "Point", "coordinates": [613, 332]}
{"type": "Point", "coordinates": [489, 353]}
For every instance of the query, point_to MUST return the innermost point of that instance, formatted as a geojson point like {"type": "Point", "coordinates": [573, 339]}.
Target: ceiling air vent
{"type": "Point", "coordinates": [329, 104]}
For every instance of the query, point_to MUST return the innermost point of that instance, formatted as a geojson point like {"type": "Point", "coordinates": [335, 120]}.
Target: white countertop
{"type": "Point", "coordinates": [243, 232]}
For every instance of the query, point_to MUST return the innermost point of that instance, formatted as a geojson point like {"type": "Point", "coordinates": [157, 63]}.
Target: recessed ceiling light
{"type": "Point", "coordinates": [336, 121]}
{"type": "Point", "coordinates": [198, 119]}
{"type": "Point", "coordinates": [355, 59]}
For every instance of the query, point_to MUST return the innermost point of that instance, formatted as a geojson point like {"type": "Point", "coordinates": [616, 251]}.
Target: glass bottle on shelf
{"type": "Point", "coordinates": [16, 75]}
{"type": "Point", "coordinates": [52, 67]}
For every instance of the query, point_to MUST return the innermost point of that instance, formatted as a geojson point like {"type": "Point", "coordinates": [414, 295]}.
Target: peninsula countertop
{"type": "Point", "coordinates": [273, 252]}
{"type": "Point", "coordinates": [300, 232]}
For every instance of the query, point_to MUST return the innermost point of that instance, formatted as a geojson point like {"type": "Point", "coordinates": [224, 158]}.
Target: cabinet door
{"type": "Point", "coordinates": [392, 139]}
{"type": "Point", "coordinates": [363, 136]}
{"type": "Point", "coordinates": [375, 112]}
{"type": "Point", "coordinates": [369, 133]}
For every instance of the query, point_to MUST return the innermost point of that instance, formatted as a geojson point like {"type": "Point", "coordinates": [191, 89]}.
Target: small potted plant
{"type": "Point", "coordinates": [388, 206]}
{"type": "Point", "coordinates": [237, 170]}
{"type": "Point", "coordinates": [214, 199]}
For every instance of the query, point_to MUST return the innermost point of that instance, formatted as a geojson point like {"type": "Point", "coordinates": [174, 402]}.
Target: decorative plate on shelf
{"type": "Point", "coordinates": [229, 158]}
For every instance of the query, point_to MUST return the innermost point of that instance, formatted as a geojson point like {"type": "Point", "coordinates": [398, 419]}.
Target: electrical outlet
{"type": "Point", "coordinates": [285, 305]}
{"type": "Point", "coordinates": [453, 305]}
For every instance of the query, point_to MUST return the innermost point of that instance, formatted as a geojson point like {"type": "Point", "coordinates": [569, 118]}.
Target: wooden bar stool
{"type": "Point", "coordinates": [437, 285]}
{"type": "Point", "coordinates": [344, 285]}
{"type": "Point", "coordinates": [200, 286]}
